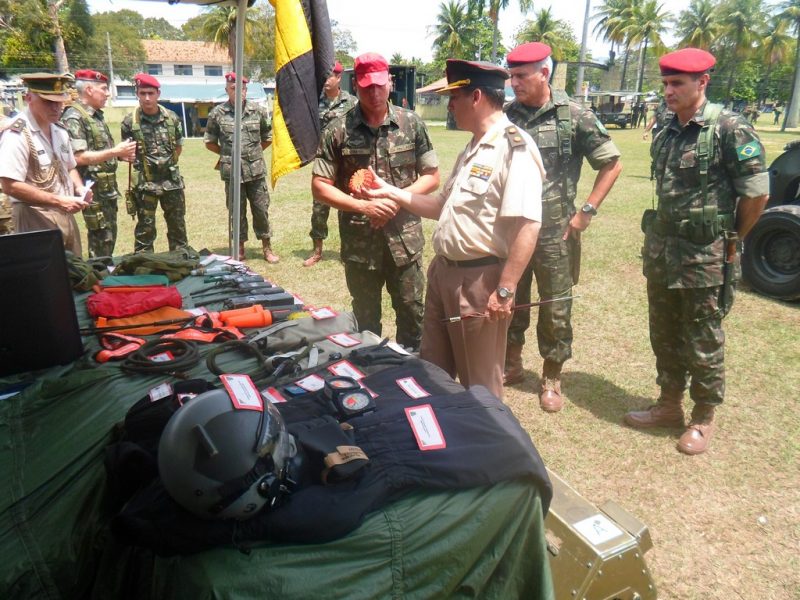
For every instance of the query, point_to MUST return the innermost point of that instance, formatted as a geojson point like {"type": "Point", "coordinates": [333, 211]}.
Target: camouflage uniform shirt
{"type": "Point", "coordinates": [399, 151]}
{"type": "Point", "coordinates": [157, 137]}
{"type": "Point", "coordinates": [256, 129]}
{"type": "Point", "coordinates": [331, 109]}
{"type": "Point", "coordinates": [88, 131]}
{"type": "Point", "coordinates": [737, 168]}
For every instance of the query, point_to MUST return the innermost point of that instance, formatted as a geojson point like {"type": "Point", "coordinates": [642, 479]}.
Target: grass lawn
{"type": "Point", "coordinates": [724, 525]}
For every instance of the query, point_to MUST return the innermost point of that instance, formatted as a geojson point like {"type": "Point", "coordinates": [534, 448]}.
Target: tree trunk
{"type": "Point", "coordinates": [625, 65]}
{"type": "Point", "coordinates": [62, 64]}
{"type": "Point", "coordinates": [640, 75]}
{"type": "Point", "coordinates": [495, 35]}
{"type": "Point", "coordinates": [790, 120]}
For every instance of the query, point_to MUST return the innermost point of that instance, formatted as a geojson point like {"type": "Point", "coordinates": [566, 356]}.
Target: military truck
{"type": "Point", "coordinates": [771, 257]}
{"type": "Point", "coordinates": [612, 108]}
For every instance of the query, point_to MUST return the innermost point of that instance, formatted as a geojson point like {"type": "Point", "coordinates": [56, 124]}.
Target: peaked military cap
{"type": "Point", "coordinates": [48, 86]}
{"type": "Point", "coordinates": [528, 53]}
{"type": "Point", "coordinates": [89, 75]}
{"type": "Point", "coordinates": [145, 80]}
{"type": "Point", "coordinates": [688, 60]}
{"type": "Point", "coordinates": [231, 78]}
{"type": "Point", "coordinates": [471, 74]}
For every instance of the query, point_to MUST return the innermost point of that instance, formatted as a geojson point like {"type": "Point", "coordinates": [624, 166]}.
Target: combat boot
{"type": "Point", "coordinates": [241, 251]}
{"type": "Point", "coordinates": [269, 255]}
{"type": "Point", "coordinates": [697, 437]}
{"type": "Point", "coordinates": [513, 371]}
{"type": "Point", "coordinates": [550, 399]}
{"type": "Point", "coordinates": [316, 255]}
{"type": "Point", "coordinates": [666, 412]}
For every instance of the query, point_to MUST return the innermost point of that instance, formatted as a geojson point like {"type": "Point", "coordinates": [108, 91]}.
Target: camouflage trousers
{"type": "Point", "coordinates": [550, 265]}
{"type": "Point", "coordinates": [319, 220]}
{"type": "Point", "coordinates": [257, 194]}
{"type": "Point", "coordinates": [100, 219]}
{"type": "Point", "coordinates": [6, 215]}
{"type": "Point", "coordinates": [405, 285]}
{"type": "Point", "coordinates": [688, 341]}
{"type": "Point", "coordinates": [173, 204]}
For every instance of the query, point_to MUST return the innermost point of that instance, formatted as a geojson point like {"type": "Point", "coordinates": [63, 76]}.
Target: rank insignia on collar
{"type": "Point", "coordinates": [749, 150]}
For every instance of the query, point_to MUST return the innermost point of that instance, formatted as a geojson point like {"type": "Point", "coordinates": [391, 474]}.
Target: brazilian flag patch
{"type": "Point", "coordinates": [749, 150]}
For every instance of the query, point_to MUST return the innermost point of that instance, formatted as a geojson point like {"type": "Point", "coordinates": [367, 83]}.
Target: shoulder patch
{"type": "Point", "coordinates": [514, 138]}
{"type": "Point", "coordinates": [600, 126]}
{"type": "Point", "coordinates": [749, 150]}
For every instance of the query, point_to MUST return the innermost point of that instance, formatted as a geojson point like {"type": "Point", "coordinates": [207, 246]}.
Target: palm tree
{"type": "Point", "coordinates": [543, 28]}
{"type": "Point", "coordinates": [220, 27]}
{"type": "Point", "coordinates": [614, 19]}
{"type": "Point", "coordinates": [698, 25]}
{"type": "Point", "coordinates": [495, 6]}
{"type": "Point", "coordinates": [62, 64]}
{"type": "Point", "coordinates": [742, 22]}
{"type": "Point", "coordinates": [790, 10]}
{"type": "Point", "coordinates": [774, 46]}
{"type": "Point", "coordinates": [648, 23]}
{"type": "Point", "coordinates": [451, 29]}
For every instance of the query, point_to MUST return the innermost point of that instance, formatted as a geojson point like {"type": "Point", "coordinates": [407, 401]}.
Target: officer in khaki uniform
{"type": "Point", "coordinates": [489, 214]}
{"type": "Point", "coordinates": [159, 142]}
{"type": "Point", "coordinates": [96, 156]}
{"type": "Point", "coordinates": [37, 166]}
{"type": "Point", "coordinates": [712, 187]}
{"type": "Point", "coordinates": [6, 218]}
{"type": "Point", "coordinates": [333, 103]}
{"type": "Point", "coordinates": [565, 133]}
{"type": "Point", "coordinates": [378, 248]}
{"type": "Point", "coordinates": [256, 137]}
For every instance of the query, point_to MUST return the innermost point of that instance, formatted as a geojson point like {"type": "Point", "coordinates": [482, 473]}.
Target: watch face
{"type": "Point", "coordinates": [355, 400]}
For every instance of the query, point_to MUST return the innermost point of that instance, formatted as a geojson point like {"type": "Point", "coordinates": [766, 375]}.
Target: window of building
{"type": "Point", "coordinates": [153, 69]}
{"type": "Point", "coordinates": [183, 69]}
{"type": "Point", "coordinates": [213, 70]}
{"type": "Point", "coordinates": [126, 90]}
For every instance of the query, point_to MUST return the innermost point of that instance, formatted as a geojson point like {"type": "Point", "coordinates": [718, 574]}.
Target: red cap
{"type": "Point", "coordinates": [371, 69]}
{"type": "Point", "coordinates": [231, 77]}
{"type": "Point", "coordinates": [89, 75]}
{"type": "Point", "coordinates": [687, 60]}
{"type": "Point", "coordinates": [528, 53]}
{"type": "Point", "coordinates": [144, 80]}
{"type": "Point", "coordinates": [337, 68]}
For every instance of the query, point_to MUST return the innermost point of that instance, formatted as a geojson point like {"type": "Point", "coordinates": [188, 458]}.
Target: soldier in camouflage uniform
{"type": "Point", "coordinates": [333, 103]}
{"type": "Point", "coordinates": [377, 248]}
{"type": "Point", "coordinates": [712, 186]}
{"type": "Point", "coordinates": [256, 137]}
{"type": "Point", "coordinates": [565, 133]}
{"type": "Point", "coordinates": [96, 156]}
{"type": "Point", "coordinates": [159, 142]}
{"type": "Point", "coordinates": [659, 120]}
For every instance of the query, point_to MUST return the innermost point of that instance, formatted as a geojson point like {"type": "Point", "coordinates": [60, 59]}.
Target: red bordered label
{"type": "Point", "coordinates": [325, 312]}
{"type": "Point", "coordinates": [425, 427]}
{"type": "Point", "coordinates": [162, 357]}
{"type": "Point", "coordinates": [312, 383]}
{"type": "Point", "coordinates": [343, 339]}
{"type": "Point", "coordinates": [412, 389]}
{"type": "Point", "coordinates": [273, 395]}
{"type": "Point", "coordinates": [344, 368]}
{"type": "Point", "coordinates": [243, 392]}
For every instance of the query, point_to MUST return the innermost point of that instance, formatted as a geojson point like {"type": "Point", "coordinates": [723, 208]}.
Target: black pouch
{"type": "Point", "coordinates": [648, 218]}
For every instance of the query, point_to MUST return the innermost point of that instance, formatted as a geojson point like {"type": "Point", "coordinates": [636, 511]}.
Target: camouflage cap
{"type": "Point", "coordinates": [48, 85]}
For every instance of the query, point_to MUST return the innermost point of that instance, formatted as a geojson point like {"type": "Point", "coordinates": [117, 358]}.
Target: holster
{"type": "Point", "coordinates": [94, 218]}
{"type": "Point", "coordinates": [574, 243]}
{"type": "Point", "coordinates": [130, 203]}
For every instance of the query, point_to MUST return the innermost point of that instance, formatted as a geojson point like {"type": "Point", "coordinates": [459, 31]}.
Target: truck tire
{"type": "Point", "coordinates": [771, 258]}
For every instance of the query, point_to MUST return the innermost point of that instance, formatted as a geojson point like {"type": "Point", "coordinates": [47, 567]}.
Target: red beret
{"type": "Point", "coordinates": [528, 53]}
{"type": "Point", "coordinates": [145, 80]}
{"type": "Point", "coordinates": [371, 69]}
{"type": "Point", "coordinates": [89, 75]}
{"type": "Point", "coordinates": [687, 60]}
{"type": "Point", "coordinates": [337, 68]}
{"type": "Point", "coordinates": [231, 77]}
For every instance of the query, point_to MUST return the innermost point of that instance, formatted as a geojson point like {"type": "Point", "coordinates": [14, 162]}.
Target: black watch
{"type": "Point", "coordinates": [505, 293]}
{"type": "Point", "coordinates": [588, 209]}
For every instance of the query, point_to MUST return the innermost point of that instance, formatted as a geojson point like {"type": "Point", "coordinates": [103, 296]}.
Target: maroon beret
{"type": "Point", "coordinates": [528, 53]}
{"type": "Point", "coordinates": [687, 60]}
{"type": "Point", "coordinates": [337, 68]}
{"type": "Point", "coordinates": [144, 80]}
{"type": "Point", "coordinates": [231, 77]}
{"type": "Point", "coordinates": [89, 75]}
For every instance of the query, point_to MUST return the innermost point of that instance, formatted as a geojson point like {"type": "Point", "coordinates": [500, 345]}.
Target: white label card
{"type": "Point", "coordinates": [312, 383]}
{"type": "Point", "coordinates": [273, 395]}
{"type": "Point", "coordinates": [343, 339]}
{"type": "Point", "coordinates": [326, 312]}
{"type": "Point", "coordinates": [161, 357]}
{"type": "Point", "coordinates": [412, 389]}
{"type": "Point", "coordinates": [243, 392]}
{"type": "Point", "coordinates": [598, 529]}
{"type": "Point", "coordinates": [425, 427]}
{"type": "Point", "coordinates": [160, 391]}
{"type": "Point", "coordinates": [345, 369]}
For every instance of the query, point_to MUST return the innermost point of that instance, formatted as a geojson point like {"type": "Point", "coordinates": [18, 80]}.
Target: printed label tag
{"type": "Point", "coordinates": [412, 389]}
{"type": "Point", "coordinates": [344, 368]}
{"type": "Point", "coordinates": [243, 392]}
{"type": "Point", "coordinates": [343, 339]}
{"type": "Point", "coordinates": [325, 312]}
{"type": "Point", "coordinates": [162, 357]}
{"type": "Point", "coordinates": [598, 529]}
{"type": "Point", "coordinates": [160, 391]}
{"type": "Point", "coordinates": [273, 395]}
{"type": "Point", "coordinates": [312, 383]}
{"type": "Point", "coordinates": [425, 427]}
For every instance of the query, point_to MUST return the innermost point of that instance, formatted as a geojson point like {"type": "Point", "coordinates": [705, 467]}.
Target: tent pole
{"type": "Point", "coordinates": [236, 162]}
{"type": "Point", "coordinates": [185, 128]}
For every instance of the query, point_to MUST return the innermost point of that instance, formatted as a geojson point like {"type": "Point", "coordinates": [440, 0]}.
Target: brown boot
{"type": "Point", "coordinates": [513, 371]}
{"type": "Point", "coordinates": [316, 255]}
{"type": "Point", "coordinates": [550, 399]}
{"type": "Point", "coordinates": [666, 412]}
{"type": "Point", "coordinates": [697, 437]}
{"type": "Point", "coordinates": [269, 255]}
{"type": "Point", "coordinates": [241, 250]}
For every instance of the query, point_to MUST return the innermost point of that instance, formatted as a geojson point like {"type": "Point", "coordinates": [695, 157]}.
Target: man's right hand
{"type": "Point", "coordinates": [71, 204]}
{"type": "Point", "coordinates": [125, 150]}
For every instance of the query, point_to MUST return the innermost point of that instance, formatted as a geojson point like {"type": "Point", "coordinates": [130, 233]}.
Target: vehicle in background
{"type": "Point", "coordinates": [614, 108]}
{"type": "Point", "coordinates": [403, 88]}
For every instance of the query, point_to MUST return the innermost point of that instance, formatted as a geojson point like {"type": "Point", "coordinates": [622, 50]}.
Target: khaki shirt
{"type": "Point", "coordinates": [492, 183]}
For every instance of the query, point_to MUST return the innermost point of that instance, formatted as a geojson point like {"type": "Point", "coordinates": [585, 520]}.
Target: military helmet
{"type": "Point", "coordinates": [220, 460]}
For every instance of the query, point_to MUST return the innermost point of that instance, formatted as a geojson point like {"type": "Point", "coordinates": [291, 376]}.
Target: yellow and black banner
{"type": "Point", "coordinates": [304, 58]}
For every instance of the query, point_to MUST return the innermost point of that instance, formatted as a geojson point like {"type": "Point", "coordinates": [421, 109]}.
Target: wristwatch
{"type": "Point", "coordinates": [588, 209]}
{"type": "Point", "coordinates": [505, 293]}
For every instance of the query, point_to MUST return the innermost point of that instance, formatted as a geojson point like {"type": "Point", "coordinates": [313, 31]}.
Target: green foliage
{"type": "Point", "coordinates": [160, 29]}
{"type": "Point", "coordinates": [127, 51]}
{"type": "Point", "coordinates": [193, 28]}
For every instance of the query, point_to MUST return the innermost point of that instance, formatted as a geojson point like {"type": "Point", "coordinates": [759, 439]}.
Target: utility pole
{"type": "Point", "coordinates": [110, 68]}
{"type": "Point", "coordinates": [582, 58]}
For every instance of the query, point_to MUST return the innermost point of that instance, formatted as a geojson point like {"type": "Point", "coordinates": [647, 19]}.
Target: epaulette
{"type": "Point", "coordinates": [60, 124]}
{"type": "Point", "coordinates": [17, 126]}
{"type": "Point", "coordinates": [514, 138]}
